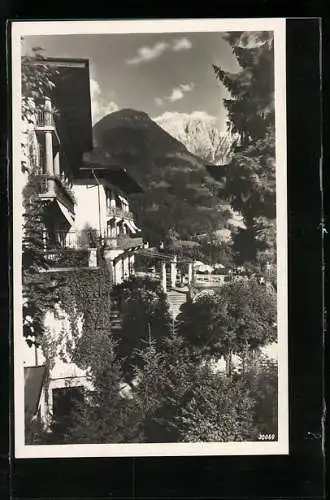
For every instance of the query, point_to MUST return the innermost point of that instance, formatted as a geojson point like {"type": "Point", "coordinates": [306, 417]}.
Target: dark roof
{"type": "Point", "coordinates": [33, 381]}
{"type": "Point", "coordinates": [73, 101]}
{"type": "Point", "coordinates": [107, 167]}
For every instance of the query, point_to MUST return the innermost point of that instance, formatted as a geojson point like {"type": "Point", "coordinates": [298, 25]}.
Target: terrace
{"type": "Point", "coordinates": [120, 213]}
{"type": "Point", "coordinates": [89, 239]}
{"type": "Point", "coordinates": [55, 188]}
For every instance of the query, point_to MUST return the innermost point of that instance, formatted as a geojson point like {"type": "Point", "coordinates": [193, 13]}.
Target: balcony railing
{"type": "Point", "coordinates": [119, 212]}
{"type": "Point", "coordinates": [209, 280]}
{"type": "Point", "coordinates": [45, 119]}
{"type": "Point", "coordinates": [90, 238]}
{"type": "Point", "coordinates": [122, 242]}
{"type": "Point", "coordinates": [52, 186]}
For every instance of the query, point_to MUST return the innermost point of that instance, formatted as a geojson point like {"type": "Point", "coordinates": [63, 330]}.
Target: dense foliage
{"type": "Point", "coordinates": [106, 415]}
{"type": "Point", "coordinates": [39, 289]}
{"type": "Point", "coordinates": [175, 399]}
{"type": "Point", "coordinates": [76, 289]}
{"type": "Point", "coordinates": [237, 319]}
{"type": "Point", "coordinates": [38, 82]}
{"type": "Point", "coordinates": [250, 183]}
{"type": "Point", "coordinates": [145, 315]}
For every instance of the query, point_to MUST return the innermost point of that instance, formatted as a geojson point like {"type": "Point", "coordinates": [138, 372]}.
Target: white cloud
{"type": "Point", "coordinates": [181, 44]}
{"type": "Point", "coordinates": [100, 105]}
{"type": "Point", "coordinates": [176, 95]}
{"type": "Point", "coordinates": [187, 87]}
{"type": "Point", "coordinates": [178, 92]}
{"type": "Point", "coordinates": [147, 54]}
{"type": "Point", "coordinates": [159, 101]}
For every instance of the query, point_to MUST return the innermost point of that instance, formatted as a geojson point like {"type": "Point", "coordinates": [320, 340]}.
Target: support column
{"type": "Point", "coordinates": [190, 272]}
{"type": "Point", "coordinates": [126, 267]}
{"type": "Point", "coordinates": [49, 152]}
{"type": "Point", "coordinates": [173, 271]}
{"type": "Point", "coordinates": [118, 272]}
{"type": "Point", "coordinates": [92, 261]}
{"type": "Point", "coordinates": [163, 275]}
{"type": "Point", "coordinates": [48, 139]}
{"type": "Point", "coordinates": [57, 163]}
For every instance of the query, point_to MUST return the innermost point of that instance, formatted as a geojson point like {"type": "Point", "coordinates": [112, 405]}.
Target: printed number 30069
{"type": "Point", "coordinates": [266, 437]}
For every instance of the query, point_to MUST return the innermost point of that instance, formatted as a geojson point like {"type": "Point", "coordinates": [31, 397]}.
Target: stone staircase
{"type": "Point", "coordinates": [175, 300]}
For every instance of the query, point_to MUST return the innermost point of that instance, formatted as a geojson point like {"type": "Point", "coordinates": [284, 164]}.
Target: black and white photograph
{"type": "Point", "coordinates": [149, 238]}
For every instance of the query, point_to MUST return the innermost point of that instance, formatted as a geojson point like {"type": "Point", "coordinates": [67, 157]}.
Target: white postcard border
{"type": "Point", "coordinates": [280, 447]}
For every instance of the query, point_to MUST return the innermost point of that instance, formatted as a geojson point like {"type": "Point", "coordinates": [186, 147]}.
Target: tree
{"type": "Point", "coordinates": [173, 399]}
{"type": "Point", "coordinates": [250, 183]}
{"type": "Point", "coordinates": [182, 400]}
{"type": "Point", "coordinates": [145, 314]}
{"type": "Point", "coordinates": [237, 319]}
{"type": "Point", "coordinates": [166, 377]}
{"type": "Point", "coordinates": [261, 379]}
{"type": "Point", "coordinates": [220, 410]}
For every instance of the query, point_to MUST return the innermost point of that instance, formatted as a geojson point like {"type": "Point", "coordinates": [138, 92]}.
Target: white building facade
{"type": "Point", "coordinates": [85, 206]}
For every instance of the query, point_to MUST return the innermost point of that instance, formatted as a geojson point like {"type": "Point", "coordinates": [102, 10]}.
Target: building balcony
{"type": "Point", "coordinates": [52, 187]}
{"type": "Point", "coordinates": [45, 120]}
{"type": "Point", "coordinates": [82, 248]}
{"type": "Point", "coordinates": [120, 213]}
{"type": "Point", "coordinates": [90, 238]}
{"type": "Point", "coordinates": [123, 242]}
{"type": "Point", "coordinates": [72, 248]}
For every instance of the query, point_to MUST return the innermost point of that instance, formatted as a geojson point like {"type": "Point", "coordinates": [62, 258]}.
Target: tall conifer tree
{"type": "Point", "coordinates": [250, 184]}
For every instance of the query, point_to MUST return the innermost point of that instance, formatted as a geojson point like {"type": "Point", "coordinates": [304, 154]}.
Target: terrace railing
{"type": "Point", "coordinates": [52, 186]}
{"type": "Point", "coordinates": [122, 242]}
{"type": "Point", "coordinates": [90, 238]}
{"type": "Point", "coordinates": [119, 212]}
{"type": "Point", "coordinates": [209, 280]}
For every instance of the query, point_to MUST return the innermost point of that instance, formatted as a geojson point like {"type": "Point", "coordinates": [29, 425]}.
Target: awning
{"type": "Point", "coordinates": [33, 381]}
{"type": "Point", "coordinates": [67, 214]}
{"type": "Point", "coordinates": [122, 199]}
{"type": "Point", "coordinates": [116, 219]}
{"type": "Point", "coordinates": [135, 226]}
{"type": "Point", "coordinates": [130, 225]}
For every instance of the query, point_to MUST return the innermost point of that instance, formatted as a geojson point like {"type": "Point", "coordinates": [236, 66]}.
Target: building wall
{"type": "Point", "coordinates": [87, 211]}
{"type": "Point", "coordinates": [91, 205]}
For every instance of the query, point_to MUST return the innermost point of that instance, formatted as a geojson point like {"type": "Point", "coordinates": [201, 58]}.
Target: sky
{"type": "Point", "coordinates": [156, 73]}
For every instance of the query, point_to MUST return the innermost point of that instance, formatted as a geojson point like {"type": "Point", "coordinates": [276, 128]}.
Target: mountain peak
{"type": "Point", "coordinates": [131, 133]}
{"type": "Point", "coordinates": [199, 133]}
{"type": "Point", "coordinates": [125, 115]}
